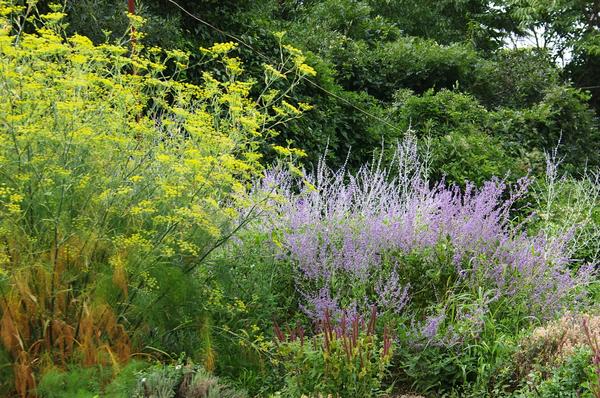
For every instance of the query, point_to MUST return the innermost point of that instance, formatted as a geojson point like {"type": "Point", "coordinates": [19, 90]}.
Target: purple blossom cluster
{"type": "Point", "coordinates": [450, 327]}
{"type": "Point", "coordinates": [335, 227]}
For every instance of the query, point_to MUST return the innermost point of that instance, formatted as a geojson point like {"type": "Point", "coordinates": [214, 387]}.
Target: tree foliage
{"type": "Point", "coordinates": [366, 50]}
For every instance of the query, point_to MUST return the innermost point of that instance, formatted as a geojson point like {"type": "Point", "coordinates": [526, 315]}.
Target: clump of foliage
{"type": "Point", "coordinates": [182, 381]}
{"type": "Point", "coordinates": [571, 378]}
{"type": "Point", "coordinates": [557, 359]}
{"type": "Point", "coordinates": [345, 359]}
{"type": "Point", "coordinates": [473, 143]}
{"type": "Point", "coordinates": [550, 346]}
{"type": "Point", "coordinates": [78, 382]}
{"type": "Point", "coordinates": [460, 134]}
{"type": "Point", "coordinates": [561, 116]}
{"type": "Point", "coordinates": [92, 381]}
{"type": "Point", "coordinates": [562, 202]}
{"type": "Point", "coordinates": [251, 289]}
{"type": "Point", "coordinates": [136, 379]}
{"type": "Point", "coordinates": [514, 78]}
{"type": "Point", "coordinates": [593, 341]}
{"type": "Point", "coordinates": [118, 180]}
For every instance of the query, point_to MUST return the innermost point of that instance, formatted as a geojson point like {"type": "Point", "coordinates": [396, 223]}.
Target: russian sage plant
{"type": "Point", "coordinates": [388, 237]}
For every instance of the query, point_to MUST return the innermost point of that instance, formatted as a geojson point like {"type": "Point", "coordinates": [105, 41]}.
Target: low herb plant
{"type": "Point", "coordinates": [182, 381]}
{"type": "Point", "coordinates": [251, 288]}
{"type": "Point", "coordinates": [570, 379]}
{"type": "Point", "coordinates": [593, 342]}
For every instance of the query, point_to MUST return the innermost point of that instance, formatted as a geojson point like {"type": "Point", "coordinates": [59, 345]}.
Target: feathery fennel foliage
{"type": "Point", "coordinates": [117, 179]}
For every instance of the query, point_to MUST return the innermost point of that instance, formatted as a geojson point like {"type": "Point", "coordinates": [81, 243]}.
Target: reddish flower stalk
{"type": "Point", "coordinates": [300, 333]}
{"type": "Point", "coordinates": [347, 348]}
{"type": "Point", "coordinates": [371, 328]}
{"type": "Point", "coordinates": [354, 332]}
{"type": "Point", "coordinates": [278, 332]}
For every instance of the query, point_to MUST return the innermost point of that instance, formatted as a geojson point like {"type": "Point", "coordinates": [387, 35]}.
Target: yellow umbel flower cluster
{"type": "Point", "coordinates": [116, 180]}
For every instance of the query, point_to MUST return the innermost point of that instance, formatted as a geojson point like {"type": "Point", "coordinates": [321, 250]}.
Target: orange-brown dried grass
{"type": "Point", "coordinates": [42, 323]}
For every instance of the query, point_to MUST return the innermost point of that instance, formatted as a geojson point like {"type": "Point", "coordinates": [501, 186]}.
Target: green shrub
{"type": "Point", "coordinates": [125, 382]}
{"type": "Point", "coordinates": [473, 157]}
{"type": "Point", "coordinates": [251, 290]}
{"type": "Point", "coordinates": [438, 113]}
{"type": "Point", "coordinates": [73, 383]}
{"type": "Point", "coordinates": [458, 348]}
{"type": "Point", "coordinates": [410, 62]}
{"type": "Point", "coordinates": [457, 129]}
{"type": "Point", "coordinates": [562, 117]}
{"type": "Point", "coordinates": [570, 379]}
{"type": "Point", "coordinates": [514, 78]}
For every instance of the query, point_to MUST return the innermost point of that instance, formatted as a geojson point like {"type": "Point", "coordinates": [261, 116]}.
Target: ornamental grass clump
{"type": "Point", "coordinates": [390, 238]}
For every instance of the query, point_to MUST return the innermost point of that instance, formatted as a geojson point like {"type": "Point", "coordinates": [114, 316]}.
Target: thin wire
{"type": "Point", "coordinates": [265, 57]}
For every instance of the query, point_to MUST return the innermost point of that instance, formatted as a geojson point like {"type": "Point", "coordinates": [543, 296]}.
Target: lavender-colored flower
{"type": "Point", "coordinates": [336, 228]}
{"type": "Point", "coordinates": [432, 326]}
{"type": "Point", "coordinates": [391, 294]}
